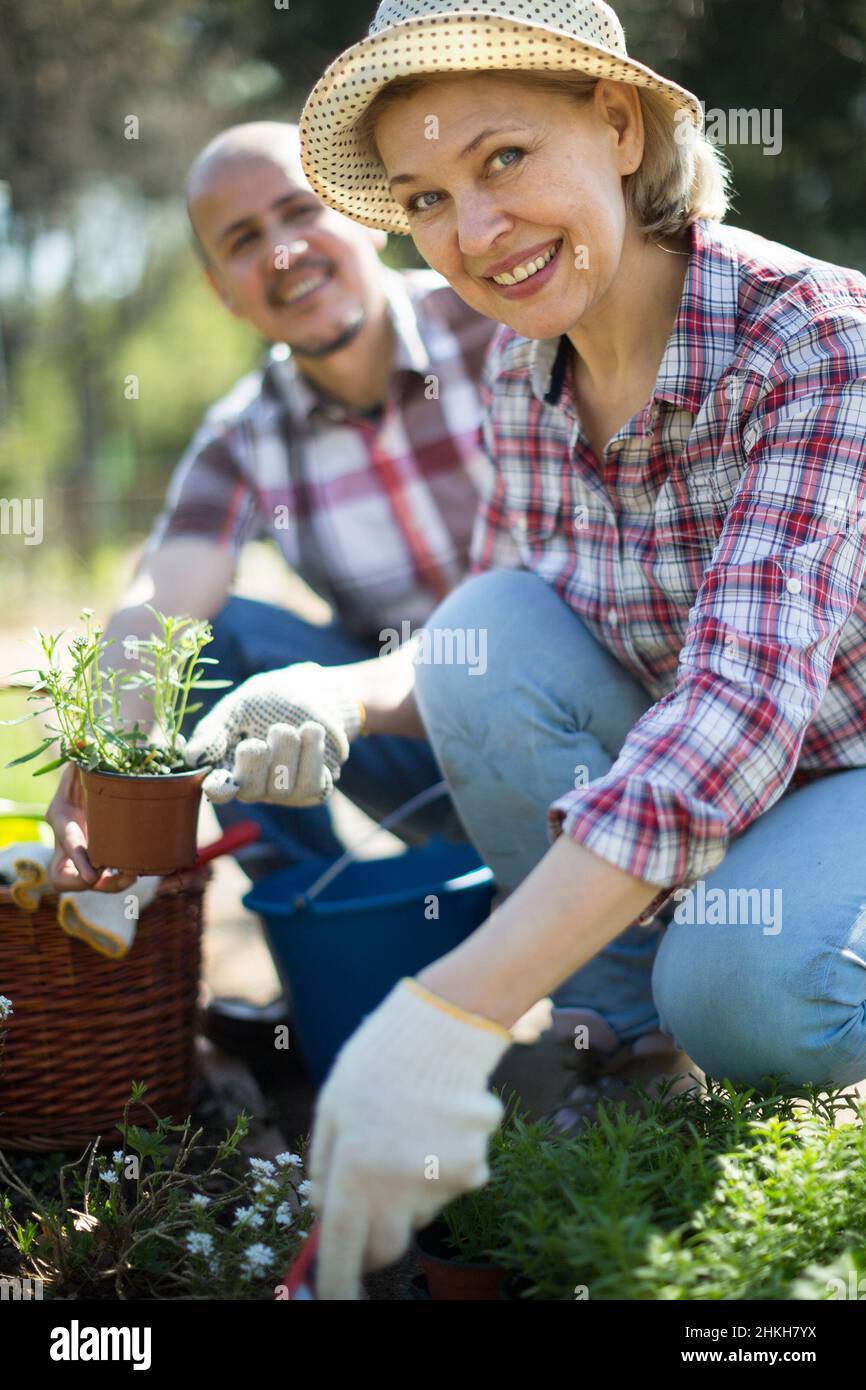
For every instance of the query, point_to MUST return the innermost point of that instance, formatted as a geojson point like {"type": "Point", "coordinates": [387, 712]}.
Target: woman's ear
{"type": "Point", "coordinates": [618, 106]}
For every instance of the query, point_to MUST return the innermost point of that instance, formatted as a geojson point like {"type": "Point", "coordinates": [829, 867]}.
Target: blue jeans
{"type": "Point", "coordinates": [777, 988]}
{"type": "Point", "coordinates": [381, 773]}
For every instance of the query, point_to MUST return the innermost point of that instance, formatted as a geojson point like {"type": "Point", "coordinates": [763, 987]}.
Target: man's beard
{"type": "Point", "coordinates": [343, 338]}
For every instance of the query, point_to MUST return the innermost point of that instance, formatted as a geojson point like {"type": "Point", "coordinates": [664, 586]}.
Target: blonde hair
{"type": "Point", "coordinates": [681, 177]}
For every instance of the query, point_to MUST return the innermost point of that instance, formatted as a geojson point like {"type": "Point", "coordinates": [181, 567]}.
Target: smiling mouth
{"type": "Point", "coordinates": [308, 286]}
{"type": "Point", "coordinates": [526, 269]}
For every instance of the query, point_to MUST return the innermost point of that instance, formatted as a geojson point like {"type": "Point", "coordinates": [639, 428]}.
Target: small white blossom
{"type": "Point", "coordinates": [288, 1160]}
{"type": "Point", "coordinates": [199, 1243]}
{"type": "Point", "coordinates": [302, 1235]}
{"type": "Point", "coordinates": [6, 1009]}
{"type": "Point", "coordinates": [283, 1215]}
{"type": "Point", "coordinates": [262, 1167]}
{"type": "Point", "coordinates": [198, 1199]}
{"type": "Point", "coordinates": [118, 1156]}
{"type": "Point", "coordinates": [248, 1216]}
{"type": "Point", "coordinates": [108, 1176]}
{"type": "Point", "coordinates": [304, 1190]}
{"type": "Point", "coordinates": [257, 1259]}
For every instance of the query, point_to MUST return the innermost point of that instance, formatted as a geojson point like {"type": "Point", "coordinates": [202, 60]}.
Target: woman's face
{"type": "Point", "coordinates": [502, 175]}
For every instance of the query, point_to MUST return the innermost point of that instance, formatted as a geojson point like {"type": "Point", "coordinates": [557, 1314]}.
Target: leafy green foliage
{"type": "Point", "coordinates": [731, 1195]}
{"type": "Point", "coordinates": [85, 698]}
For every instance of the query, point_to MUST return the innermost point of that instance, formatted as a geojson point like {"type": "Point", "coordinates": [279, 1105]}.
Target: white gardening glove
{"type": "Point", "coordinates": [402, 1126]}
{"type": "Point", "coordinates": [281, 737]}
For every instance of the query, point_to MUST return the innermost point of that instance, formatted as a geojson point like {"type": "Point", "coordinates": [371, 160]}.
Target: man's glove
{"type": "Point", "coordinates": [281, 737]}
{"type": "Point", "coordinates": [402, 1126]}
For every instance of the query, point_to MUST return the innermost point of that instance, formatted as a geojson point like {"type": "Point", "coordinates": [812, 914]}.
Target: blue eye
{"type": "Point", "coordinates": [512, 149]}
{"type": "Point", "coordinates": [414, 204]}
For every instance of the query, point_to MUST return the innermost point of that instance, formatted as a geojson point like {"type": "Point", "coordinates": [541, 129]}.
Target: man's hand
{"type": "Point", "coordinates": [71, 870]}
{"type": "Point", "coordinates": [402, 1126]}
{"type": "Point", "coordinates": [281, 737]}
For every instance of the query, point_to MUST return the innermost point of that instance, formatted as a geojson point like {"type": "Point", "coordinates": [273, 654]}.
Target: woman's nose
{"type": "Point", "coordinates": [479, 227]}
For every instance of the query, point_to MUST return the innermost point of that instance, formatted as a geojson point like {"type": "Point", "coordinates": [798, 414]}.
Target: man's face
{"type": "Point", "coordinates": [299, 272]}
{"type": "Point", "coordinates": [545, 185]}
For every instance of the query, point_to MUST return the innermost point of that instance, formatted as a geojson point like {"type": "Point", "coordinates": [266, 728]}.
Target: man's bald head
{"type": "Point", "coordinates": [272, 142]}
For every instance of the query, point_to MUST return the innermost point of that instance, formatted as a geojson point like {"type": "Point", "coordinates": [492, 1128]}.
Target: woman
{"type": "Point", "coordinates": [676, 413]}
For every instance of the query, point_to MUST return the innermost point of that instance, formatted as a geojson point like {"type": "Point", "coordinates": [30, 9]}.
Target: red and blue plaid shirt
{"type": "Point", "coordinates": [718, 549]}
{"type": "Point", "coordinates": [375, 513]}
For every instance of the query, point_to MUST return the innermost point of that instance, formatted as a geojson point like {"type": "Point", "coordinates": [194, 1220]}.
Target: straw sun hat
{"type": "Point", "coordinates": [412, 37]}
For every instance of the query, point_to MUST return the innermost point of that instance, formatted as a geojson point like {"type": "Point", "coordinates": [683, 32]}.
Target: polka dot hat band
{"type": "Point", "coordinates": [409, 37]}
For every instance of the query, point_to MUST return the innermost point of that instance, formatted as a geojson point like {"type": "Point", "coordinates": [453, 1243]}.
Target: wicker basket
{"type": "Point", "coordinates": [85, 1027]}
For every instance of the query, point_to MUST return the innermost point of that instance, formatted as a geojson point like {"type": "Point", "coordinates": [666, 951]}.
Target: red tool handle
{"type": "Point", "coordinates": [300, 1282]}
{"type": "Point", "coordinates": [234, 838]}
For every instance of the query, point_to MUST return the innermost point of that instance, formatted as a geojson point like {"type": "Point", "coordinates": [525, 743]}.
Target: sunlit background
{"type": "Point", "coordinates": [98, 283]}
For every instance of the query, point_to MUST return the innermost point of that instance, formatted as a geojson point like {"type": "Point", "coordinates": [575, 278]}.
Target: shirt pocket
{"type": "Point", "coordinates": [687, 520]}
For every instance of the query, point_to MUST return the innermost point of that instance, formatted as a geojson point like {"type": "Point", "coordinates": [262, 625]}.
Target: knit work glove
{"type": "Point", "coordinates": [281, 737]}
{"type": "Point", "coordinates": [402, 1126]}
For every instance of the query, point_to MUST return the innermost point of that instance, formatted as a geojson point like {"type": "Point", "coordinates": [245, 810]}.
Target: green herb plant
{"type": "Point", "coordinates": [754, 1193]}
{"type": "Point", "coordinates": [477, 1222]}
{"type": "Point", "coordinates": [84, 698]}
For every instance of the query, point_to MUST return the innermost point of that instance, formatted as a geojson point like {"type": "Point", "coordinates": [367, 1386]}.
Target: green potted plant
{"type": "Point", "coordinates": [463, 1252]}
{"type": "Point", "coordinates": [140, 798]}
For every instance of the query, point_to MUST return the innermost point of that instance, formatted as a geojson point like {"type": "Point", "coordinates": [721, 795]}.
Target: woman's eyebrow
{"type": "Point", "coordinates": [473, 145]}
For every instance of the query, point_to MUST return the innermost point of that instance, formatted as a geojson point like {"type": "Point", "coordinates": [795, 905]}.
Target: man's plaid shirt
{"type": "Point", "coordinates": [375, 513]}
{"type": "Point", "coordinates": [718, 550]}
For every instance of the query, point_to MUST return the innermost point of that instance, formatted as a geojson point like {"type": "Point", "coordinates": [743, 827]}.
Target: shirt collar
{"type": "Point", "coordinates": [283, 376]}
{"type": "Point", "coordinates": [701, 344]}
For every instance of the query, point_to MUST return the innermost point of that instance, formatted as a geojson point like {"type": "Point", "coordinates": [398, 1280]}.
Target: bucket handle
{"type": "Point", "coordinates": [393, 818]}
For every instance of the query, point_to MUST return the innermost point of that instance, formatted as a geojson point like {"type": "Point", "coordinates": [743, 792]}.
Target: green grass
{"type": "Point", "coordinates": [733, 1195]}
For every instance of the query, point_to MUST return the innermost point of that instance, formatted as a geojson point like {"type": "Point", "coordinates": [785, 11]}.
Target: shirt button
{"type": "Point", "coordinates": [612, 617]}
{"type": "Point", "coordinates": [793, 586]}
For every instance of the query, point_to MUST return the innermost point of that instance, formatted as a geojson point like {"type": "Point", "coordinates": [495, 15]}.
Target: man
{"type": "Point", "coordinates": [355, 447]}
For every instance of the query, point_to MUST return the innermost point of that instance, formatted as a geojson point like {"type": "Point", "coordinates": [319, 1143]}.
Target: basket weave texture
{"type": "Point", "coordinates": [85, 1027]}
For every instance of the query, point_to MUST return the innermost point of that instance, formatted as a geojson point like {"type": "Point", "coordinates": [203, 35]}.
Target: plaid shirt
{"type": "Point", "coordinates": [718, 550]}
{"type": "Point", "coordinates": [374, 513]}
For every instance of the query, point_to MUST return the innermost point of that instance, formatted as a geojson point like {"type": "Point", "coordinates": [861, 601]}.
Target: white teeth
{"type": "Point", "coordinates": [527, 269]}
{"type": "Point", "coordinates": [304, 288]}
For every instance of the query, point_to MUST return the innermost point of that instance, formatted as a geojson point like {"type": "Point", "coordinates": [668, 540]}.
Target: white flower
{"type": "Point", "coordinates": [302, 1235]}
{"type": "Point", "coordinates": [198, 1199]}
{"type": "Point", "coordinates": [262, 1167]}
{"type": "Point", "coordinates": [118, 1156]}
{"type": "Point", "coordinates": [304, 1190]}
{"type": "Point", "coordinates": [265, 1192]}
{"type": "Point", "coordinates": [283, 1215]}
{"type": "Point", "coordinates": [257, 1259]}
{"type": "Point", "coordinates": [199, 1243]}
{"type": "Point", "coordinates": [6, 1009]}
{"type": "Point", "coordinates": [108, 1177]}
{"type": "Point", "coordinates": [249, 1216]}
{"type": "Point", "coordinates": [288, 1160]}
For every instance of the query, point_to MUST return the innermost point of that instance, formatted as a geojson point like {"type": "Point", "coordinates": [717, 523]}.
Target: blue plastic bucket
{"type": "Point", "coordinates": [376, 921]}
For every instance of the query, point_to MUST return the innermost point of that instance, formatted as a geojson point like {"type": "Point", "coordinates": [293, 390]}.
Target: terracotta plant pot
{"type": "Point", "coordinates": [144, 824]}
{"type": "Point", "coordinates": [449, 1278]}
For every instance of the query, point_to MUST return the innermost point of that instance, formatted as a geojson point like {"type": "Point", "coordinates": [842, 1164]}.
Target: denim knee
{"type": "Point", "coordinates": [744, 1010]}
